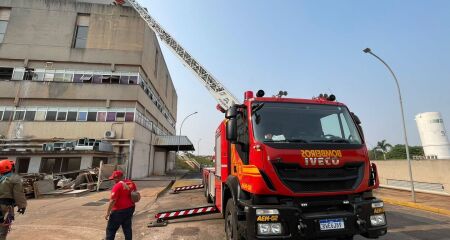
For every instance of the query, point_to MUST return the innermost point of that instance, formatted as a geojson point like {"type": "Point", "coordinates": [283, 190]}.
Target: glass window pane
{"type": "Point", "coordinates": [97, 79]}
{"type": "Point", "coordinates": [82, 32]}
{"type": "Point", "coordinates": [7, 115]}
{"type": "Point", "coordinates": [77, 78]}
{"type": "Point", "coordinates": [1, 115]}
{"type": "Point", "coordinates": [19, 115]}
{"type": "Point", "coordinates": [61, 116]}
{"type": "Point", "coordinates": [72, 116]}
{"type": "Point", "coordinates": [80, 43]}
{"type": "Point", "coordinates": [51, 116]}
{"type": "Point", "coordinates": [124, 79]}
{"type": "Point", "coordinates": [111, 117]}
{"type": "Point", "coordinates": [120, 117]}
{"type": "Point", "coordinates": [2, 36]}
{"type": "Point", "coordinates": [115, 79]}
{"type": "Point", "coordinates": [29, 115]}
{"type": "Point", "coordinates": [92, 116]}
{"type": "Point", "coordinates": [101, 116]}
{"type": "Point", "coordinates": [133, 80]}
{"type": "Point", "coordinates": [40, 116]}
{"type": "Point", "coordinates": [38, 75]}
{"type": "Point", "coordinates": [129, 117]}
{"type": "Point", "coordinates": [18, 73]}
{"type": "Point", "coordinates": [82, 116]}
{"type": "Point", "coordinates": [3, 26]}
{"type": "Point", "coordinates": [68, 77]}
{"type": "Point", "coordinates": [59, 77]}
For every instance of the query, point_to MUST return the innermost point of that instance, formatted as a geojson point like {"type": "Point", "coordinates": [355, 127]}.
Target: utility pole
{"type": "Point", "coordinates": [369, 51]}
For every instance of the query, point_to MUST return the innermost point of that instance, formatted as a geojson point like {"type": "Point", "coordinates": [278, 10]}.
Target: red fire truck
{"type": "Point", "coordinates": [285, 168]}
{"type": "Point", "coordinates": [294, 169]}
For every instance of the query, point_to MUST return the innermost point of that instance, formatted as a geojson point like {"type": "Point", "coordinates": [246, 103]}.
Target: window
{"type": "Point", "coordinates": [61, 116]}
{"type": "Point", "coordinates": [111, 117]}
{"type": "Point", "coordinates": [49, 75]}
{"type": "Point", "coordinates": [51, 116]}
{"type": "Point", "coordinates": [28, 75]}
{"type": "Point", "coordinates": [30, 115]}
{"type": "Point", "coordinates": [18, 74]}
{"type": "Point", "coordinates": [4, 18]}
{"type": "Point", "coordinates": [19, 115]}
{"type": "Point", "coordinates": [59, 76]}
{"type": "Point", "coordinates": [40, 116]}
{"type": "Point", "coordinates": [57, 165]}
{"type": "Point", "coordinates": [96, 161]}
{"type": "Point", "coordinates": [22, 165]}
{"type": "Point", "coordinates": [124, 79]}
{"type": "Point", "coordinates": [115, 79]}
{"type": "Point", "coordinates": [133, 80]}
{"type": "Point", "coordinates": [92, 116]}
{"type": "Point", "coordinates": [82, 116]}
{"type": "Point", "coordinates": [38, 75]}
{"type": "Point", "coordinates": [129, 117]}
{"type": "Point", "coordinates": [242, 137]}
{"type": "Point", "coordinates": [7, 115]}
{"type": "Point", "coordinates": [81, 31]}
{"type": "Point", "coordinates": [6, 73]}
{"type": "Point", "coordinates": [71, 116]}
{"type": "Point", "coordinates": [120, 117]}
{"type": "Point", "coordinates": [156, 63]}
{"type": "Point", "coordinates": [101, 117]}
{"type": "Point", "coordinates": [1, 115]}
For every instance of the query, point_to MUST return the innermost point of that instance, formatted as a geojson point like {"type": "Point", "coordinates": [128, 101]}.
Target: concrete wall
{"type": "Point", "coordinates": [43, 30]}
{"type": "Point", "coordinates": [426, 171]}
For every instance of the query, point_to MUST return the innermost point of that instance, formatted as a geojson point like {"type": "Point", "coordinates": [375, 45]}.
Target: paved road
{"type": "Point", "coordinates": [404, 223]}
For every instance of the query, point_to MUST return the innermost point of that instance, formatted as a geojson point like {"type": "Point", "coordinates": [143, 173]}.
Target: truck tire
{"type": "Point", "coordinates": [231, 221]}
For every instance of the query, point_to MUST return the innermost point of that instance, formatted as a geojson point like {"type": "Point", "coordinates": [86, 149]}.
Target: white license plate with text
{"type": "Point", "coordinates": [331, 224]}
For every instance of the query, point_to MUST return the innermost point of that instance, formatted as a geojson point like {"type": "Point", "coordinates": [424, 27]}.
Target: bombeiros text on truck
{"type": "Point", "coordinates": [285, 168]}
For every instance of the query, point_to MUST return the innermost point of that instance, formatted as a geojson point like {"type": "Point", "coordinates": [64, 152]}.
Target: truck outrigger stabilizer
{"type": "Point", "coordinates": [163, 217]}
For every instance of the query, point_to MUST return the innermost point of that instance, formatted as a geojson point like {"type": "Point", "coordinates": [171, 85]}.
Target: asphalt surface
{"type": "Point", "coordinates": [404, 223]}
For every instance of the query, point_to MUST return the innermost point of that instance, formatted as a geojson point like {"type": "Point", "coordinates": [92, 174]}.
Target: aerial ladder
{"type": "Point", "coordinates": [224, 97]}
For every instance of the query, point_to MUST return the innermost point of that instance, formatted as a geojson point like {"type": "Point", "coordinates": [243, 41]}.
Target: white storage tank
{"type": "Point", "coordinates": [433, 135]}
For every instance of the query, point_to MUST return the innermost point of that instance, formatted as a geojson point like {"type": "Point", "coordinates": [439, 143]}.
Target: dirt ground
{"type": "Point", "coordinates": [79, 218]}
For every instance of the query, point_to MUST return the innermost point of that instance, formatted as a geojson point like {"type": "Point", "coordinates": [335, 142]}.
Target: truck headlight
{"type": "Point", "coordinates": [269, 229]}
{"type": "Point", "coordinates": [378, 220]}
{"type": "Point", "coordinates": [262, 212]}
{"type": "Point", "coordinates": [377, 205]}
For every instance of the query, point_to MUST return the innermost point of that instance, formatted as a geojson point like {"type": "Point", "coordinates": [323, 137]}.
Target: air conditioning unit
{"type": "Point", "coordinates": [110, 134]}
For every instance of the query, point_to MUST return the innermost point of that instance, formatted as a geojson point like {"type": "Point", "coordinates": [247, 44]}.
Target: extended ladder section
{"type": "Point", "coordinates": [219, 92]}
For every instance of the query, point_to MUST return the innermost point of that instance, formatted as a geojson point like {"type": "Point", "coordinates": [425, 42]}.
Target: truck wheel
{"type": "Point", "coordinates": [230, 221]}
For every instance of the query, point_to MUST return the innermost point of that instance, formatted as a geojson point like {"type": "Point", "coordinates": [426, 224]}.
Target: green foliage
{"type": "Point", "coordinates": [399, 152]}
{"type": "Point", "coordinates": [384, 150]}
{"type": "Point", "coordinates": [203, 160]}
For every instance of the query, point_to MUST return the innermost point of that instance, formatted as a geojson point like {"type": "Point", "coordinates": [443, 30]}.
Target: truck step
{"type": "Point", "coordinates": [187, 188]}
{"type": "Point", "coordinates": [162, 217]}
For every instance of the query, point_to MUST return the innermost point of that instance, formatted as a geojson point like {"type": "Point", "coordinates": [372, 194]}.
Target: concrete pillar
{"type": "Point", "coordinates": [35, 164]}
{"type": "Point", "coordinates": [86, 162]}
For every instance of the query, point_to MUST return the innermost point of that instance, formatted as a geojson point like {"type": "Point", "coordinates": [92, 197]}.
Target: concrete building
{"type": "Point", "coordinates": [74, 69]}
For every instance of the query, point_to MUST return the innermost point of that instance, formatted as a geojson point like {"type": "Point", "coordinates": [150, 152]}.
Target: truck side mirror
{"type": "Point", "coordinates": [356, 118]}
{"type": "Point", "coordinates": [231, 112]}
{"type": "Point", "coordinates": [232, 130]}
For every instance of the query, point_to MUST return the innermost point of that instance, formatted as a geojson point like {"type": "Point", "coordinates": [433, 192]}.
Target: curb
{"type": "Point", "coordinates": [417, 206]}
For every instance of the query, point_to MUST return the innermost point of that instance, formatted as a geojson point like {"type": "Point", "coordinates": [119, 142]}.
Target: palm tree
{"type": "Point", "coordinates": [383, 147]}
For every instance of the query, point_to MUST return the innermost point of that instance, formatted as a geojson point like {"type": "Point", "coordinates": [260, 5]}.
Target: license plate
{"type": "Point", "coordinates": [331, 224]}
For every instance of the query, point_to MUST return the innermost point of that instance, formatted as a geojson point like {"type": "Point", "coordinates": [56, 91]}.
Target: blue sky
{"type": "Point", "coordinates": [309, 47]}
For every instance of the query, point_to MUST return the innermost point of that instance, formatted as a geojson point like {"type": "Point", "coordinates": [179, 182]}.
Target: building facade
{"type": "Point", "coordinates": [73, 69]}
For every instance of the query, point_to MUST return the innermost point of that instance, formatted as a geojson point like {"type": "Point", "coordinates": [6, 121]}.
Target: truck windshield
{"type": "Point", "coordinates": [303, 123]}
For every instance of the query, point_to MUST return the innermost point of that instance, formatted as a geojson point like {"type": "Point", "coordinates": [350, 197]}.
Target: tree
{"type": "Point", "coordinates": [399, 151]}
{"type": "Point", "coordinates": [383, 147]}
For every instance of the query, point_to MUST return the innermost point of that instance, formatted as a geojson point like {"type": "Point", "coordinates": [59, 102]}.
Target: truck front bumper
{"type": "Point", "coordinates": [299, 222]}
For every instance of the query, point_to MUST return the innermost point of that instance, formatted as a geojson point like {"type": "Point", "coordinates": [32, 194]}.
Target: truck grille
{"type": "Point", "coordinates": [305, 180]}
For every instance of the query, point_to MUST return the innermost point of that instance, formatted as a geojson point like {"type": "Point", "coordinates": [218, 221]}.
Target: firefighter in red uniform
{"type": "Point", "coordinates": [11, 194]}
{"type": "Point", "coordinates": [121, 207]}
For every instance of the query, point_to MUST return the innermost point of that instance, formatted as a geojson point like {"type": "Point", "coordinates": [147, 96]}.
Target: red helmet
{"type": "Point", "coordinates": [5, 166]}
